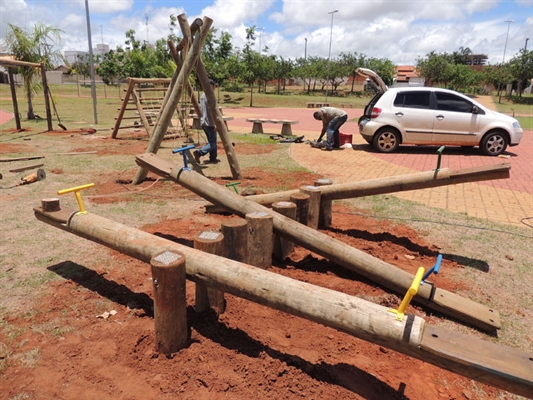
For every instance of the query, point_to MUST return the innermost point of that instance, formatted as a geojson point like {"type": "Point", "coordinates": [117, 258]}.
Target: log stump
{"type": "Point", "coordinates": [260, 239]}
{"type": "Point", "coordinates": [170, 306]}
{"type": "Point", "coordinates": [206, 297]}
{"type": "Point", "coordinates": [283, 247]}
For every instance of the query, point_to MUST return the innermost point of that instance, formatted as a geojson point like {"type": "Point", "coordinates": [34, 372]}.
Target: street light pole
{"type": "Point", "coordinates": [329, 53]}
{"type": "Point", "coordinates": [305, 51]}
{"type": "Point", "coordinates": [91, 61]}
{"type": "Point", "coordinates": [525, 46]}
{"type": "Point", "coordinates": [509, 22]}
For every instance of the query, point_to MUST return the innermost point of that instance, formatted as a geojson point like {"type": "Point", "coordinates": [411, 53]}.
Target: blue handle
{"type": "Point", "coordinates": [182, 151]}
{"type": "Point", "coordinates": [434, 269]}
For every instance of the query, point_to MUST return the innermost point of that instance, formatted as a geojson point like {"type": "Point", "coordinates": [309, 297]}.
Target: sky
{"type": "Point", "coordinates": [398, 30]}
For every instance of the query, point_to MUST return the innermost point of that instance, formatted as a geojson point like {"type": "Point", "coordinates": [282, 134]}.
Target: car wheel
{"type": "Point", "coordinates": [386, 140]}
{"type": "Point", "coordinates": [494, 143]}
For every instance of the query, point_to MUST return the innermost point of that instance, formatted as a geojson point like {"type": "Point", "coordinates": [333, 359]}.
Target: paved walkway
{"type": "Point", "coordinates": [505, 201]}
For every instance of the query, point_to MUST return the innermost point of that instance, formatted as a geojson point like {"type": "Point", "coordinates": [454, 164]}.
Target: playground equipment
{"type": "Point", "coordinates": [486, 362]}
{"type": "Point", "coordinates": [400, 183]}
{"type": "Point", "coordinates": [192, 59]}
{"type": "Point", "coordinates": [385, 274]}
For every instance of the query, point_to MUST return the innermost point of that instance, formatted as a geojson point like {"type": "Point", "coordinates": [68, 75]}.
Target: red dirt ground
{"type": "Point", "coordinates": [248, 352]}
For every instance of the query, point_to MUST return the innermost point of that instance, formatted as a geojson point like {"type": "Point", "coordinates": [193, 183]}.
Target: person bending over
{"type": "Point", "coordinates": [332, 119]}
{"type": "Point", "coordinates": [210, 131]}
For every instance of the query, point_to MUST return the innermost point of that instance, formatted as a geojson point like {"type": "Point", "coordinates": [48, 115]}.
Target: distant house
{"type": "Point", "coordinates": [407, 75]}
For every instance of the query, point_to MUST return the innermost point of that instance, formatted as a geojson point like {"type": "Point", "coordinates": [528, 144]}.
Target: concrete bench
{"type": "Point", "coordinates": [286, 129]}
{"type": "Point", "coordinates": [315, 104]}
{"type": "Point", "coordinates": [197, 125]}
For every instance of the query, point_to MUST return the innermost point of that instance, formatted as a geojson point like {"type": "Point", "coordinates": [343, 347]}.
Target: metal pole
{"type": "Point", "coordinates": [305, 51]}
{"type": "Point", "coordinates": [91, 62]}
{"type": "Point", "coordinates": [329, 53]}
{"type": "Point", "coordinates": [525, 46]}
{"type": "Point", "coordinates": [509, 22]}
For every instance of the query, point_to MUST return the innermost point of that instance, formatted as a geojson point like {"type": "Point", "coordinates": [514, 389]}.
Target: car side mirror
{"type": "Point", "coordinates": [475, 110]}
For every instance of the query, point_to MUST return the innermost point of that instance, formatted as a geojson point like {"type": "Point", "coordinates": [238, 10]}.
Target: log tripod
{"type": "Point", "coordinates": [486, 362]}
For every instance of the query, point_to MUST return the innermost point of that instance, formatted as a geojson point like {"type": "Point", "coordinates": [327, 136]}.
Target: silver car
{"type": "Point", "coordinates": [433, 116]}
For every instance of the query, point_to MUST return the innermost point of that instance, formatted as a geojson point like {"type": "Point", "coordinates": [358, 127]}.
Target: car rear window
{"type": "Point", "coordinates": [412, 100]}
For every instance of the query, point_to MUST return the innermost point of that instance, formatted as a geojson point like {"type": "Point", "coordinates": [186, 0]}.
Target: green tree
{"type": "Point", "coordinates": [521, 67]}
{"type": "Point", "coordinates": [215, 55]}
{"type": "Point", "coordinates": [464, 77]}
{"type": "Point", "coordinates": [283, 71]}
{"type": "Point", "coordinates": [384, 67]}
{"type": "Point", "coordinates": [498, 75]}
{"type": "Point", "coordinates": [436, 68]}
{"type": "Point", "coordinates": [35, 46]}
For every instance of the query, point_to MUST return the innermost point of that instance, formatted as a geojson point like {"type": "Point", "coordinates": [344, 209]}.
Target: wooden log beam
{"type": "Point", "coordinates": [399, 183]}
{"type": "Point", "coordinates": [486, 362]}
{"type": "Point", "coordinates": [338, 252]}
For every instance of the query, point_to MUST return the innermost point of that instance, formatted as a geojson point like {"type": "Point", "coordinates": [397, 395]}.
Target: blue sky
{"type": "Point", "coordinates": [398, 30]}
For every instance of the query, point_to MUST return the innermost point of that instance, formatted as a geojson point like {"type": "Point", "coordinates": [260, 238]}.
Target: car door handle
{"type": "Point", "coordinates": [440, 117]}
{"type": "Point", "coordinates": [399, 114]}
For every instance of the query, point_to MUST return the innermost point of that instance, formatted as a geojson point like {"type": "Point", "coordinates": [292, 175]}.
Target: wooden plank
{"type": "Point", "coordinates": [483, 361]}
{"type": "Point", "coordinates": [20, 158]}
{"type": "Point", "coordinates": [338, 252]}
{"type": "Point", "coordinates": [26, 168]}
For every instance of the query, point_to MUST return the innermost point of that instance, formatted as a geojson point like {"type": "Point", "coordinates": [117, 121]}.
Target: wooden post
{"type": "Point", "coordinates": [46, 97]}
{"type": "Point", "coordinates": [324, 218]}
{"type": "Point", "coordinates": [235, 231]}
{"type": "Point", "coordinates": [170, 306]}
{"type": "Point", "coordinates": [210, 242]}
{"type": "Point", "coordinates": [302, 207]}
{"type": "Point", "coordinates": [314, 204]}
{"type": "Point", "coordinates": [283, 247]}
{"type": "Point", "coordinates": [50, 205]}
{"type": "Point", "coordinates": [129, 90]}
{"type": "Point", "coordinates": [260, 239]}
{"type": "Point", "coordinates": [14, 97]}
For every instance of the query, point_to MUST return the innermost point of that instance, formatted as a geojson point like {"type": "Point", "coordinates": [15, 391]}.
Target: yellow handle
{"type": "Point", "coordinates": [411, 292]}
{"type": "Point", "coordinates": [76, 190]}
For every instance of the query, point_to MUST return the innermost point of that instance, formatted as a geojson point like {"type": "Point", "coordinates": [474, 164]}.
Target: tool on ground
{"type": "Point", "coordinates": [234, 185]}
{"type": "Point", "coordinates": [183, 150]}
{"type": "Point", "coordinates": [36, 176]}
{"type": "Point", "coordinates": [76, 191]}
{"type": "Point", "coordinates": [55, 111]}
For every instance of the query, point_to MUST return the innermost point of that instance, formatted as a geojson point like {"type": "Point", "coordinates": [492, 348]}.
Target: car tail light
{"type": "Point", "coordinates": [375, 112]}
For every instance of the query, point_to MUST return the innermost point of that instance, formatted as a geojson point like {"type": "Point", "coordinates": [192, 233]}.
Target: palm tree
{"type": "Point", "coordinates": [35, 46]}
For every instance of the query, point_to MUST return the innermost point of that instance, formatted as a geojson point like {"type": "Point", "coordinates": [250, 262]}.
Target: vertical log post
{"type": "Point", "coordinates": [14, 97]}
{"type": "Point", "coordinates": [170, 307]}
{"type": "Point", "coordinates": [235, 231]}
{"type": "Point", "coordinates": [260, 239]}
{"type": "Point", "coordinates": [47, 96]}
{"type": "Point", "coordinates": [302, 207]}
{"type": "Point", "coordinates": [324, 218]}
{"type": "Point", "coordinates": [205, 297]}
{"type": "Point", "coordinates": [314, 204]}
{"type": "Point", "coordinates": [283, 247]}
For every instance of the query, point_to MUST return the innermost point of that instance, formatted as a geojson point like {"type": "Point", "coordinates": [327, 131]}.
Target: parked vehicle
{"type": "Point", "coordinates": [433, 116]}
